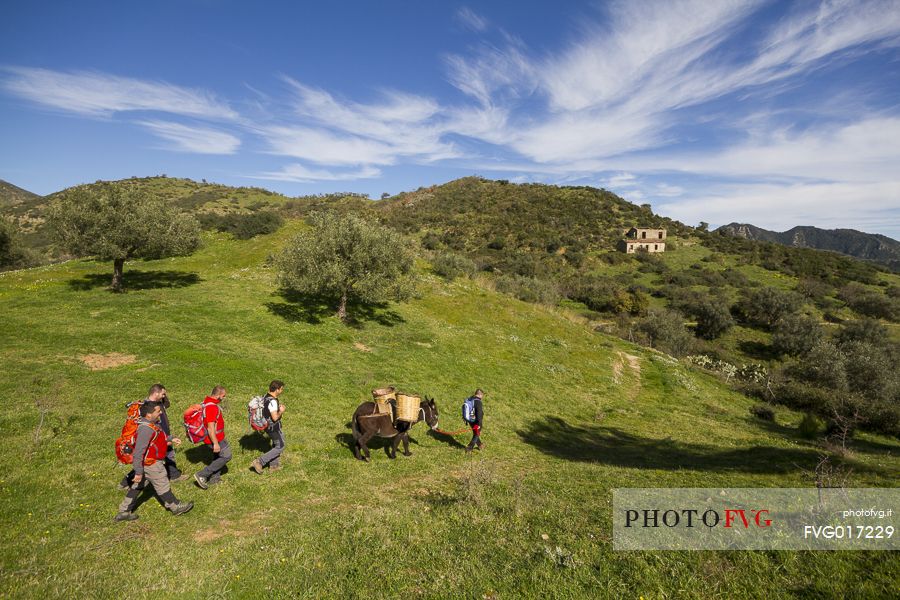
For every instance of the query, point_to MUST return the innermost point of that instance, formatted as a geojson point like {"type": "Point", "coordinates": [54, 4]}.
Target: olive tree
{"type": "Point", "coordinates": [345, 258]}
{"type": "Point", "coordinates": [120, 222]}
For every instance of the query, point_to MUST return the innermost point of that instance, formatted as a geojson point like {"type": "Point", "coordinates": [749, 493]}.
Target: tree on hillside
{"type": "Point", "coordinates": [766, 306]}
{"type": "Point", "coordinates": [797, 335]}
{"type": "Point", "coordinates": [117, 222]}
{"type": "Point", "coordinates": [713, 319]}
{"type": "Point", "coordinates": [345, 258]}
{"type": "Point", "coordinates": [13, 254]}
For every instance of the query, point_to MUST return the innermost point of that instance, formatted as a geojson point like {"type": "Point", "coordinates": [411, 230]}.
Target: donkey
{"type": "Point", "coordinates": [366, 425]}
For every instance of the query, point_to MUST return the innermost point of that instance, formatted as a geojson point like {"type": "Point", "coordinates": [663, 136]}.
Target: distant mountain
{"type": "Point", "coordinates": [11, 195]}
{"type": "Point", "coordinates": [868, 246]}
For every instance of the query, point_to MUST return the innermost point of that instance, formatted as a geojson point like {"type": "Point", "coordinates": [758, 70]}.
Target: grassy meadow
{"type": "Point", "coordinates": [570, 415]}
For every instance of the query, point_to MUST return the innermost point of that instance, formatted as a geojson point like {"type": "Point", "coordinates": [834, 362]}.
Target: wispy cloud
{"type": "Point", "coordinates": [102, 95]}
{"type": "Point", "coordinates": [471, 20]}
{"type": "Point", "coordinates": [329, 131]}
{"type": "Point", "coordinates": [301, 174]}
{"type": "Point", "coordinates": [199, 140]}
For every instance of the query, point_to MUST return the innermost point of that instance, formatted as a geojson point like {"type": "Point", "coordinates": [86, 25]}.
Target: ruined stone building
{"type": "Point", "coordinates": [651, 239]}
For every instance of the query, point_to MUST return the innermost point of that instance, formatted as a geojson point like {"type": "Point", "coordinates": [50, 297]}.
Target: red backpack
{"type": "Point", "coordinates": [126, 440]}
{"type": "Point", "coordinates": [194, 426]}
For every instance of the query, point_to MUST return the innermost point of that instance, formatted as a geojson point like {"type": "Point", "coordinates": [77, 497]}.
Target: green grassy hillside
{"type": "Point", "coordinates": [570, 415]}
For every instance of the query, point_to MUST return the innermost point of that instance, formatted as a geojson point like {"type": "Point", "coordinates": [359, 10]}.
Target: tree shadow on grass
{"type": "Point", "coordinates": [313, 309]}
{"type": "Point", "coordinates": [613, 446]}
{"type": "Point", "coordinates": [137, 280]}
{"type": "Point", "coordinates": [758, 350]}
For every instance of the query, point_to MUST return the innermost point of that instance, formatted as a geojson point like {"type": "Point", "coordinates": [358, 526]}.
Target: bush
{"type": "Point", "coordinates": [809, 427]}
{"type": "Point", "coordinates": [713, 319]}
{"type": "Point", "coordinates": [766, 306]}
{"type": "Point", "coordinates": [664, 329]}
{"type": "Point", "coordinates": [863, 330]}
{"type": "Point", "coordinates": [243, 226]}
{"type": "Point", "coordinates": [431, 241]}
{"type": "Point", "coordinates": [528, 289]}
{"type": "Point", "coordinates": [796, 335]}
{"type": "Point", "coordinates": [763, 412]}
{"type": "Point", "coordinates": [450, 266]}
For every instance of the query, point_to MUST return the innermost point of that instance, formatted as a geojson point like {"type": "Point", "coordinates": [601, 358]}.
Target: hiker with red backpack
{"type": "Point", "coordinates": [158, 394]}
{"type": "Point", "coordinates": [213, 422]}
{"type": "Point", "coordinates": [272, 411]}
{"type": "Point", "coordinates": [473, 414]}
{"type": "Point", "coordinates": [148, 458]}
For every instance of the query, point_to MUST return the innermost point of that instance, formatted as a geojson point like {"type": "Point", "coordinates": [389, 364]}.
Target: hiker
{"type": "Point", "coordinates": [215, 437]}
{"type": "Point", "coordinates": [273, 409]}
{"type": "Point", "coordinates": [158, 394]}
{"type": "Point", "coordinates": [149, 456]}
{"type": "Point", "coordinates": [473, 413]}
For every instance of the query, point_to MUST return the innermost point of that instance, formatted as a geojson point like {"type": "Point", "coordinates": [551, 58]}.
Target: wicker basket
{"type": "Point", "coordinates": [408, 407]}
{"type": "Point", "coordinates": [384, 394]}
{"type": "Point", "coordinates": [383, 408]}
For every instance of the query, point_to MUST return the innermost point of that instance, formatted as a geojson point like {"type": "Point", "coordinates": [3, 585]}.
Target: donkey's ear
{"type": "Point", "coordinates": [431, 402]}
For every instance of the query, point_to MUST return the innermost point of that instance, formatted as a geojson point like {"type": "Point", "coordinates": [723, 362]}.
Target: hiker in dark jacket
{"type": "Point", "coordinates": [476, 424]}
{"type": "Point", "coordinates": [157, 393]}
{"type": "Point", "coordinates": [149, 465]}
{"type": "Point", "coordinates": [273, 410]}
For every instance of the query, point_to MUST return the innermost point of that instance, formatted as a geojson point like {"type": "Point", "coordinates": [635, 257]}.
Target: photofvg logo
{"type": "Point", "coordinates": [755, 519]}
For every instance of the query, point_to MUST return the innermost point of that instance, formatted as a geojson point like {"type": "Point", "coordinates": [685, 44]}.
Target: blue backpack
{"type": "Point", "coordinates": [468, 410]}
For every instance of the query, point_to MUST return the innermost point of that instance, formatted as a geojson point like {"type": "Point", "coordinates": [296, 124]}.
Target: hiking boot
{"type": "Point", "coordinates": [468, 449]}
{"type": "Point", "coordinates": [257, 466]}
{"type": "Point", "coordinates": [181, 477]}
{"type": "Point", "coordinates": [126, 516]}
{"type": "Point", "coordinates": [201, 481]}
{"type": "Point", "coordinates": [181, 508]}
{"type": "Point", "coordinates": [123, 486]}
{"type": "Point", "coordinates": [273, 468]}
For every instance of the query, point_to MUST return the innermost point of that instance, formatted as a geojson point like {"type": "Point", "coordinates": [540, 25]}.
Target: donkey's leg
{"type": "Point", "coordinates": [406, 451]}
{"type": "Point", "coordinates": [394, 444]}
{"type": "Point", "coordinates": [363, 440]}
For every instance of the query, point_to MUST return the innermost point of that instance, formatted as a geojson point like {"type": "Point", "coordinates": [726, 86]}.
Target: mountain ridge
{"type": "Point", "coordinates": [851, 242]}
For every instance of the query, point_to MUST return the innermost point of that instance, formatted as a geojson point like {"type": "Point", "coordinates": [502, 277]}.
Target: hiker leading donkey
{"type": "Point", "coordinates": [473, 414]}
{"type": "Point", "coordinates": [273, 410]}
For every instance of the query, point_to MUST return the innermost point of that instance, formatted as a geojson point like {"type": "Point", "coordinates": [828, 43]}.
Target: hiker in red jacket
{"type": "Point", "coordinates": [157, 393]}
{"type": "Point", "coordinates": [215, 437]}
{"type": "Point", "coordinates": [149, 465]}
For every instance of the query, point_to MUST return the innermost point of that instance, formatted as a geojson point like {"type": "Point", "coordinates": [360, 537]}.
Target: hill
{"type": "Point", "coordinates": [571, 413]}
{"type": "Point", "coordinates": [11, 195]}
{"type": "Point", "coordinates": [867, 246]}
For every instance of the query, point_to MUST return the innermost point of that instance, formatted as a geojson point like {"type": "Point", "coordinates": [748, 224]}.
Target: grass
{"type": "Point", "coordinates": [567, 420]}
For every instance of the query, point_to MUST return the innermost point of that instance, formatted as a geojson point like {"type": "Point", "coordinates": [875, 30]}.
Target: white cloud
{"type": "Point", "coordinates": [102, 95]}
{"type": "Point", "coordinates": [780, 207]}
{"type": "Point", "coordinates": [471, 20]}
{"type": "Point", "coordinates": [299, 173]}
{"type": "Point", "coordinates": [199, 140]}
{"type": "Point", "coordinates": [334, 132]}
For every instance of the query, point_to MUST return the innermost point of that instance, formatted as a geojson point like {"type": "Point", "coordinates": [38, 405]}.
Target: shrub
{"type": "Point", "coordinates": [766, 306]}
{"type": "Point", "coordinates": [243, 226]}
{"type": "Point", "coordinates": [664, 329]}
{"type": "Point", "coordinates": [450, 266]}
{"type": "Point", "coordinates": [431, 241]}
{"type": "Point", "coordinates": [713, 319]}
{"type": "Point", "coordinates": [528, 289]}
{"type": "Point", "coordinates": [796, 335]}
{"type": "Point", "coordinates": [760, 411]}
{"type": "Point", "coordinates": [809, 427]}
{"type": "Point", "coordinates": [863, 330]}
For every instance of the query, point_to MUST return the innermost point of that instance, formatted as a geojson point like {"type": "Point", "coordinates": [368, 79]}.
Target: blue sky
{"type": "Point", "coordinates": [774, 113]}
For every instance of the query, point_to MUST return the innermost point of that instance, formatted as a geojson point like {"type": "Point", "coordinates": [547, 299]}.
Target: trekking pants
{"type": "Point", "coordinates": [276, 434]}
{"type": "Point", "coordinates": [221, 459]}
{"type": "Point", "coordinates": [476, 436]}
{"type": "Point", "coordinates": [156, 475]}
